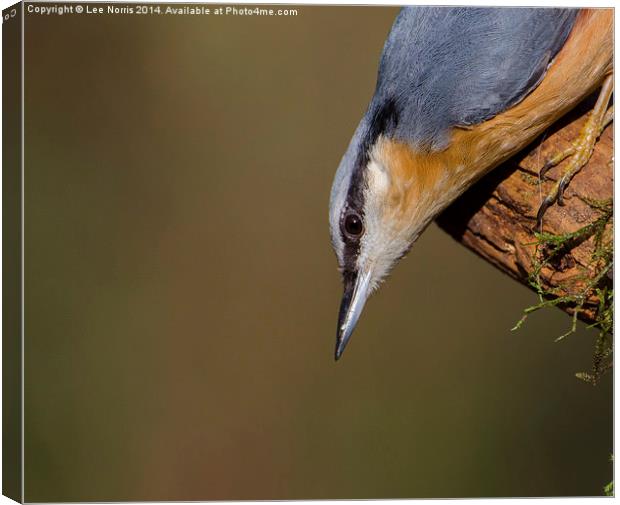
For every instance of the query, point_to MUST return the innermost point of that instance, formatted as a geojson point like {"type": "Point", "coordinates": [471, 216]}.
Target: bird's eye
{"type": "Point", "coordinates": [353, 225]}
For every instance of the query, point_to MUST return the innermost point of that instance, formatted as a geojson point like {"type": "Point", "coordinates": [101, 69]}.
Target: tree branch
{"type": "Point", "coordinates": [497, 216]}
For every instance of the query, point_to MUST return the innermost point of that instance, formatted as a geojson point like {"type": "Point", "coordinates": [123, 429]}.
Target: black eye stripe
{"type": "Point", "coordinates": [382, 116]}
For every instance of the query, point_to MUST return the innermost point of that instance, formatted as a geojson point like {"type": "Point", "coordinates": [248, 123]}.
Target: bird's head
{"type": "Point", "coordinates": [384, 194]}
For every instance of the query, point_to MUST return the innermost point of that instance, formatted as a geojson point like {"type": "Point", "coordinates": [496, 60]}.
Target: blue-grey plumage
{"type": "Point", "coordinates": [460, 66]}
{"type": "Point", "coordinates": [459, 90]}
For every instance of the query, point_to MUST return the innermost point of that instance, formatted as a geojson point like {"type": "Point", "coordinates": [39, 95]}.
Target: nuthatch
{"type": "Point", "coordinates": [459, 91]}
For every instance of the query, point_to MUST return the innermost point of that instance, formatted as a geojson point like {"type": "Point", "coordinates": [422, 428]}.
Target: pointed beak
{"type": "Point", "coordinates": [356, 291]}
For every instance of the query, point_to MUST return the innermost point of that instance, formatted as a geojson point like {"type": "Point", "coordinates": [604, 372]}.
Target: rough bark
{"type": "Point", "coordinates": [496, 218]}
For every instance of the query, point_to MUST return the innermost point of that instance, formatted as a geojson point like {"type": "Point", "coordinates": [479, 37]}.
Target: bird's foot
{"type": "Point", "coordinates": [580, 151]}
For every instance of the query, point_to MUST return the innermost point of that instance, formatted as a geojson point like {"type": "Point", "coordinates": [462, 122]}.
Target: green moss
{"type": "Point", "coordinates": [609, 488]}
{"type": "Point", "coordinates": [594, 280]}
{"type": "Point", "coordinates": [530, 179]}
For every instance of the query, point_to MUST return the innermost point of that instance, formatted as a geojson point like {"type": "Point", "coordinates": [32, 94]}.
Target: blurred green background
{"type": "Point", "coordinates": [182, 294]}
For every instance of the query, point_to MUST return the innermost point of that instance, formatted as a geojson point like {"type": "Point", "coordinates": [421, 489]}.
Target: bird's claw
{"type": "Point", "coordinates": [579, 152]}
{"type": "Point", "coordinates": [556, 160]}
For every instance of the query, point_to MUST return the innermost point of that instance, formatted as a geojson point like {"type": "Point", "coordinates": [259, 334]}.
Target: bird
{"type": "Point", "coordinates": [459, 91]}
